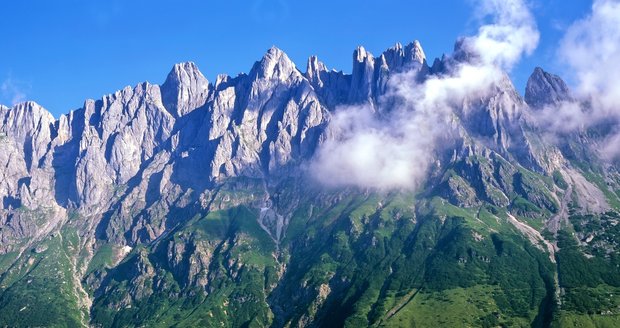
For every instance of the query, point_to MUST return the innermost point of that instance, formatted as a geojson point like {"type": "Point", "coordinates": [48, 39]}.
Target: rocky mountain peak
{"type": "Point", "coordinates": [220, 80]}
{"type": "Point", "coordinates": [185, 71]}
{"type": "Point", "coordinates": [24, 119]}
{"type": "Point", "coordinates": [544, 89]}
{"type": "Point", "coordinates": [362, 76]}
{"type": "Point", "coordinates": [398, 47]}
{"type": "Point", "coordinates": [414, 52]}
{"type": "Point", "coordinates": [27, 107]}
{"type": "Point", "coordinates": [185, 89]}
{"type": "Point", "coordinates": [398, 58]}
{"type": "Point", "coordinates": [464, 52]}
{"type": "Point", "coordinates": [275, 64]}
{"type": "Point", "coordinates": [314, 69]}
{"type": "Point", "coordinates": [361, 55]}
{"type": "Point", "coordinates": [200, 194]}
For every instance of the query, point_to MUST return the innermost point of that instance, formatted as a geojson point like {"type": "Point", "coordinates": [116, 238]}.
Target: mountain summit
{"type": "Point", "coordinates": [197, 203]}
{"type": "Point", "coordinates": [545, 89]}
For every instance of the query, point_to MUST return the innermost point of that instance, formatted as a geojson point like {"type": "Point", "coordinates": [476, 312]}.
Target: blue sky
{"type": "Point", "coordinates": [59, 53]}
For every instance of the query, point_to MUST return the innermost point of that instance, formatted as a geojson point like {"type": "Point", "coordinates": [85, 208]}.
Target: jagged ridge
{"type": "Point", "coordinates": [128, 188]}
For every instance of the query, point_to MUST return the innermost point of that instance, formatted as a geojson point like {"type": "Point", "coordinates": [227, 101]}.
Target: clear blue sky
{"type": "Point", "coordinates": [59, 53]}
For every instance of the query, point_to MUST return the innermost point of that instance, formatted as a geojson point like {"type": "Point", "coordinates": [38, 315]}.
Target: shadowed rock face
{"type": "Point", "coordinates": [129, 174]}
{"type": "Point", "coordinates": [262, 124]}
{"type": "Point", "coordinates": [152, 146]}
{"type": "Point", "coordinates": [185, 89]}
{"type": "Point", "coordinates": [545, 89]}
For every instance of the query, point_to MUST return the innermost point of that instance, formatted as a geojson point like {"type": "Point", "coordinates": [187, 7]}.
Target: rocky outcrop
{"type": "Point", "coordinates": [185, 89]}
{"type": "Point", "coordinates": [127, 159]}
{"type": "Point", "coordinates": [545, 89]}
{"type": "Point", "coordinates": [192, 183]}
{"type": "Point", "coordinates": [370, 74]}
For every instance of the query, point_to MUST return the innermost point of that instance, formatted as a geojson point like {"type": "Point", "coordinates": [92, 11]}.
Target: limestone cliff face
{"type": "Point", "coordinates": [544, 88]}
{"type": "Point", "coordinates": [182, 190]}
{"type": "Point", "coordinates": [129, 157]}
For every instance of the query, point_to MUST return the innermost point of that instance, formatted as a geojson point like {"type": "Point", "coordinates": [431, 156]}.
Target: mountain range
{"type": "Point", "coordinates": [196, 203]}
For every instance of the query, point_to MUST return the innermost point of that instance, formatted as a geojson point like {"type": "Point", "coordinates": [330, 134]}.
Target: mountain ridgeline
{"type": "Point", "coordinates": [191, 204]}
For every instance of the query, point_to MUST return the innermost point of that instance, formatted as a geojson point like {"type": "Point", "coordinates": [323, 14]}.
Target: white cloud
{"type": "Point", "coordinates": [564, 117]}
{"type": "Point", "coordinates": [590, 50]}
{"type": "Point", "coordinates": [610, 148]}
{"type": "Point", "coordinates": [12, 90]}
{"type": "Point", "coordinates": [394, 146]}
{"type": "Point", "coordinates": [512, 34]}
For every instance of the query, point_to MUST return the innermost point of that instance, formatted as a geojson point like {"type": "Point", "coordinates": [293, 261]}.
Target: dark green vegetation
{"type": "Point", "coordinates": [367, 259]}
{"type": "Point", "coordinates": [343, 259]}
{"type": "Point", "coordinates": [357, 260]}
{"type": "Point", "coordinates": [589, 271]}
{"type": "Point", "coordinates": [42, 280]}
{"type": "Point", "coordinates": [189, 204]}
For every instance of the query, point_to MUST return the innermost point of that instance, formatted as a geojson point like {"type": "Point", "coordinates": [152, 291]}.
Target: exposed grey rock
{"type": "Point", "coordinates": [362, 76]}
{"type": "Point", "coordinates": [400, 59]}
{"type": "Point", "coordinates": [185, 89]}
{"type": "Point", "coordinates": [134, 154]}
{"type": "Point", "coordinates": [331, 86]}
{"type": "Point", "coordinates": [370, 74]}
{"type": "Point", "coordinates": [25, 135]}
{"type": "Point", "coordinates": [127, 169]}
{"type": "Point", "coordinates": [544, 89]}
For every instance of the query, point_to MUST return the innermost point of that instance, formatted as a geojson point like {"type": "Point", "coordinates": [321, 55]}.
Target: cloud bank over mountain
{"type": "Point", "coordinates": [591, 48]}
{"type": "Point", "coordinates": [390, 144]}
{"type": "Point", "coordinates": [590, 51]}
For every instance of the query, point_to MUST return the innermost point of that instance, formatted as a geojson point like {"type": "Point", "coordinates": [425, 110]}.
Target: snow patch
{"type": "Point", "coordinates": [126, 249]}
